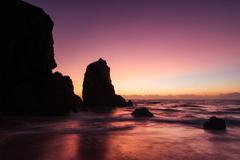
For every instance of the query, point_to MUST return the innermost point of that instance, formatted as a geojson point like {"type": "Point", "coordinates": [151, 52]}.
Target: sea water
{"type": "Point", "coordinates": [175, 132]}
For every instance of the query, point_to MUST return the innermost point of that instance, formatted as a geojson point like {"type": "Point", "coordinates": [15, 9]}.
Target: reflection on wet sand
{"type": "Point", "coordinates": [87, 145]}
{"type": "Point", "coordinates": [40, 147]}
{"type": "Point", "coordinates": [61, 147]}
{"type": "Point", "coordinates": [92, 147]}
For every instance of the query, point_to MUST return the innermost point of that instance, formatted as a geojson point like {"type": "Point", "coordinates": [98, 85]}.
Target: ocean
{"type": "Point", "coordinates": [175, 132]}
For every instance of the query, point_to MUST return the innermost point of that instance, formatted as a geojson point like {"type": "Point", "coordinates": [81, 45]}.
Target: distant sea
{"type": "Point", "coordinates": [175, 133]}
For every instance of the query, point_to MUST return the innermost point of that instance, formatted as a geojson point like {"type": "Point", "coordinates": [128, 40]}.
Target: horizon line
{"type": "Point", "coordinates": [227, 95]}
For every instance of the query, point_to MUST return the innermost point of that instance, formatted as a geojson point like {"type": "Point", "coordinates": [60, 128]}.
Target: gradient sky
{"type": "Point", "coordinates": [152, 46]}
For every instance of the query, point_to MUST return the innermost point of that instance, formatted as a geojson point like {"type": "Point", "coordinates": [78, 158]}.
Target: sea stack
{"type": "Point", "coordinates": [28, 85]}
{"type": "Point", "coordinates": [98, 91]}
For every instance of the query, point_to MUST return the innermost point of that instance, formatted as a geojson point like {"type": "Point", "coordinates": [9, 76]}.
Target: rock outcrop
{"type": "Point", "coordinates": [28, 86]}
{"type": "Point", "coordinates": [142, 112]}
{"type": "Point", "coordinates": [98, 91]}
{"type": "Point", "coordinates": [215, 123]}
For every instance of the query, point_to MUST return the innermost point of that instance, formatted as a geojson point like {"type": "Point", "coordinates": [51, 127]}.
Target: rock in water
{"type": "Point", "coordinates": [215, 123]}
{"type": "Point", "coordinates": [129, 103]}
{"type": "Point", "coordinates": [28, 86]}
{"type": "Point", "coordinates": [98, 90]}
{"type": "Point", "coordinates": [142, 112]}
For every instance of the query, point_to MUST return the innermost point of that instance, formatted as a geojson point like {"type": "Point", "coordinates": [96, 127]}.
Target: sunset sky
{"type": "Point", "coordinates": [152, 46]}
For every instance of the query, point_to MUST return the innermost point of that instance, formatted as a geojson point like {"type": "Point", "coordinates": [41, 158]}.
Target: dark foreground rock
{"type": "Point", "coordinates": [27, 84]}
{"type": "Point", "coordinates": [142, 112]}
{"type": "Point", "coordinates": [215, 123]}
{"type": "Point", "coordinates": [98, 91]}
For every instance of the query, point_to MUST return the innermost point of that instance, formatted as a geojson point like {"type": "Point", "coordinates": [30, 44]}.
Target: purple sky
{"type": "Point", "coordinates": [152, 47]}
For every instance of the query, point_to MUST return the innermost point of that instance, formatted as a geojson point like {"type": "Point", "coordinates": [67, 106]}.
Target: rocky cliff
{"type": "Point", "coordinates": [27, 84]}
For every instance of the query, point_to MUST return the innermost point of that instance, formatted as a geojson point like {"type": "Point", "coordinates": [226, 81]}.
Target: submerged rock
{"type": "Point", "coordinates": [28, 86]}
{"type": "Point", "coordinates": [142, 112]}
{"type": "Point", "coordinates": [98, 90]}
{"type": "Point", "coordinates": [215, 123]}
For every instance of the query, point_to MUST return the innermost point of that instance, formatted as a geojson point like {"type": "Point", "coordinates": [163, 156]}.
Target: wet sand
{"type": "Point", "coordinates": [174, 133]}
{"type": "Point", "coordinates": [140, 140]}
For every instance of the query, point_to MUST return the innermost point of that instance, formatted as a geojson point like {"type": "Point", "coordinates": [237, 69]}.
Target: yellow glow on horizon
{"type": "Point", "coordinates": [165, 91]}
{"type": "Point", "coordinates": [135, 79]}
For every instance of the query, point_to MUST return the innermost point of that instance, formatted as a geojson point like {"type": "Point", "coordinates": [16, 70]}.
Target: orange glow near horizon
{"type": "Point", "coordinates": [146, 82]}
{"type": "Point", "coordinates": [162, 70]}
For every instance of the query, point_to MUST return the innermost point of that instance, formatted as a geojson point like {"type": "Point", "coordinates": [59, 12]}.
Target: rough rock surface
{"type": "Point", "coordinates": [142, 112]}
{"type": "Point", "coordinates": [98, 90]}
{"type": "Point", "coordinates": [27, 83]}
{"type": "Point", "coordinates": [215, 123]}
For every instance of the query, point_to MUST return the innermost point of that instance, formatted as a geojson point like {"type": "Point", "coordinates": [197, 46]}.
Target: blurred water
{"type": "Point", "coordinates": [174, 133]}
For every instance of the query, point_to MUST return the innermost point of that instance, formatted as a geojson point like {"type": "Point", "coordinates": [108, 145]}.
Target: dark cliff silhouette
{"type": "Point", "coordinates": [28, 86]}
{"type": "Point", "coordinates": [98, 91]}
